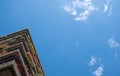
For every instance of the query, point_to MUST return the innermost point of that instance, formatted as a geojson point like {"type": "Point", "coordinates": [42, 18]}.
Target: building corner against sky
{"type": "Point", "coordinates": [18, 56]}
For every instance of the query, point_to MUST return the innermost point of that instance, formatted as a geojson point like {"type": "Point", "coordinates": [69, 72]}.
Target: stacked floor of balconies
{"type": "Point", "coordinates": [18, 56]}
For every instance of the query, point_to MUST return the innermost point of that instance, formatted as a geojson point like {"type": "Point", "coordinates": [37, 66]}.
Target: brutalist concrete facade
{"type": "Point", "coordinates": [18, 56]}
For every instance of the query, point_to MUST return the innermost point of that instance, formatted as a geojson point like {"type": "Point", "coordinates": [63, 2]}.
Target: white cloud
{"type": "Point", "coordinates": [113, 43]}
{"type": "Point", "coordinates": [82, 16]}
{"type": "Point", "coordinates": [108, 7]}
{"type": "Point", "coordinates": [80, 9]}
{"type": "Point", "coordinates": [105, 8]}
{"type": "Point", "coordinates": [92, 61]}
{"type": "Point", "coordinates": [98, 71]}
{"type": "Point", "coordinates": [70, 10]}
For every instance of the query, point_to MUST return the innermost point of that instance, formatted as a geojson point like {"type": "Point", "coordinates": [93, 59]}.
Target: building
{"type": "Point", "coordinates": [18, 56]}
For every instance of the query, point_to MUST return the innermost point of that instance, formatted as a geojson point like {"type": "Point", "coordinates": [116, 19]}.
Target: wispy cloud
{"type": "Point", "coordinates": [105, 7]}
{"type": "Point", "coordinates": [98, 71]}
{"type": "Point", "coordinates": [82, 9]}
{"type": "Point", "coordinates": [72, 11]}
{"type": "Point", "coordinates": [116, 55]}
{"type": "Point", "coordinates": [82, 16]}
{"type": "Point", "coordinates": [108, 7]}
{"type": "Point", "coordinates": [110, 11]}
{"type": "Point", "coordinates": [85, 8]}
{"type": "Point", "coordinates": [113, 43]}
{"type": "Point", "coordinates": [92, 61]}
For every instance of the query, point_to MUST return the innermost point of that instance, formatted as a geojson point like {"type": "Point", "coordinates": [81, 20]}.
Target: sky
{"type": "Point", "coordinates": [72, 37]}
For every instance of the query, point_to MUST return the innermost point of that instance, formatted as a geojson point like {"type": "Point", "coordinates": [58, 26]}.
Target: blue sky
{"type": "Point", "coordinates": [72, 37]}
